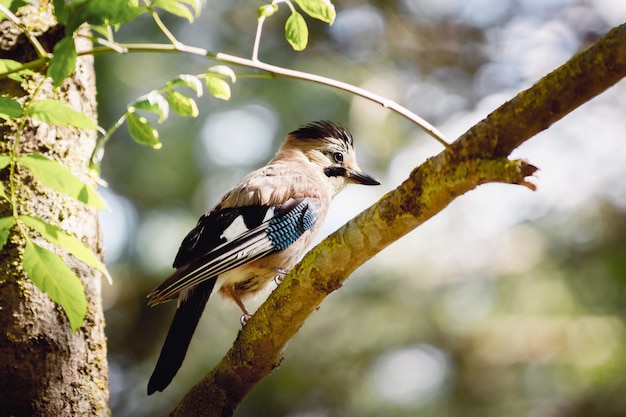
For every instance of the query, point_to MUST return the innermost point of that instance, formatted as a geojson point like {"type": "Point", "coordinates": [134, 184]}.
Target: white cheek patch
{"type": "Point", "coordinates": [236, 229]}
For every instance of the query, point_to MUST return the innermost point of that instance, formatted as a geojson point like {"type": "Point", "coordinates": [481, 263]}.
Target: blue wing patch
{"type": "Point", "coordinates": [283, 230]}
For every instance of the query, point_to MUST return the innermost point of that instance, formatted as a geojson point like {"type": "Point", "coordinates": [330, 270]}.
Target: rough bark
{"type": "Point", "coordinates": [477, 157]}
{"type": "Point", "coordinates": [45, 368]}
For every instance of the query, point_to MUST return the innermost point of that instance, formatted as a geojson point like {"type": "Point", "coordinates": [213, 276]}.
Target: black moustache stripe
{"type": "Point", "coordinates": [335, 171]}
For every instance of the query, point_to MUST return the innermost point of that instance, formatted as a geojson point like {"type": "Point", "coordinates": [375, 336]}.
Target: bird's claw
{"type": "Point", "coordinates": [281, 273]}
{"type": "Point", "coordinates": [244, 319]}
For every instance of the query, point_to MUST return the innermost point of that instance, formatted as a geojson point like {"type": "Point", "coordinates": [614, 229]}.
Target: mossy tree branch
{"type": "Point", "coordinates": [479, 156]}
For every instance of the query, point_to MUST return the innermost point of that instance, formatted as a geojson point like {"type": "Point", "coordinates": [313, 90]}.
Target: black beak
{"type": "Point", "coordinates": [362, 178]}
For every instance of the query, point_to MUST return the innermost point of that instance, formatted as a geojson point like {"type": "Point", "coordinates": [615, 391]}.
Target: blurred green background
{"type": "Point", "coordinates": [508, 303]}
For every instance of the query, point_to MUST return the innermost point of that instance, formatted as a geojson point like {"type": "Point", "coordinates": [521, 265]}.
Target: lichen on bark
{"type": "Point", "coordinates": [50, 371]}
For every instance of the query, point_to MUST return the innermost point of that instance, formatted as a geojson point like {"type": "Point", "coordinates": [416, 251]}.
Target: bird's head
{"type": "Point", "coordinates": [330, 146]}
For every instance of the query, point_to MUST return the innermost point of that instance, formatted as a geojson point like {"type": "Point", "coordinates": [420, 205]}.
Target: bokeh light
{"type": "Point", "coordinates": [409, 376]}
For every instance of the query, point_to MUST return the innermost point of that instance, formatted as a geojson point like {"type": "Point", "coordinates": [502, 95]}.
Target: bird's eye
{"type": "Point", "coordinates": [338, 157]}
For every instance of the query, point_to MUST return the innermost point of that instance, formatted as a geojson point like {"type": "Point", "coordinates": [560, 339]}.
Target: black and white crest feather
{"type": "Point", "coordinates": [324, 129]}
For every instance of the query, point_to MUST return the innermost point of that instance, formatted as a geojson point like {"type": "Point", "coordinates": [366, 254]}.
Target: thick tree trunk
{"type": "Point", "coordinates": [46, 369]}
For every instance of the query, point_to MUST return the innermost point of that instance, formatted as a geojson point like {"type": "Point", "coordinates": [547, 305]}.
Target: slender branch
{"type": "Point", "coordinates": [257, 38]}
{"type": "Point", "coordinates": [109, 35]}
{"type": "Point", "coordinates": [149, 47]}
{"type": "Point", "coordinates": [163, 28]}
{"type": "Point", "coordinates": [478, 156]}
{"type": "Point", "coordinates": [113, 45]}
{"type": "Point", "coordinates": [287, 73]}
{"type": "Point", "coordinates": [291, 7]}
{"type": "Point", "coordinates": [389, 104]}
{"type": "Point", "coordinates": [98, 151]}
{"type": "Point", "coordinates": [37, 63]}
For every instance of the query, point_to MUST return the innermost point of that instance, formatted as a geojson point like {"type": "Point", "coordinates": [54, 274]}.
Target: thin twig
{"type": "Point", "coordinates": [163, 28]}
{"type": "Point", "coordinates": [257, 39]}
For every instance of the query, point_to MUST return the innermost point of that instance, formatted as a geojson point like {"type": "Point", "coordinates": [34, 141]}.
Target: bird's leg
{"type": "Point", "coordinates": [281, 273]}
{"type": "Point", "coordinates": [232, 292]}
{"type": "Point", "coordinates": [246, 314]}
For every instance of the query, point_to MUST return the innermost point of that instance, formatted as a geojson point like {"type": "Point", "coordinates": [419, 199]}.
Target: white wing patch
{"type": "Point", "coordinates": [238, 226]}
{"type": "Point", "coordinates": [236, 229]}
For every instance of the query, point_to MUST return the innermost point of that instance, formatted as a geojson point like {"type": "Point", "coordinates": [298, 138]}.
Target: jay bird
{"type": "Point", "coordinates": [256, 233]}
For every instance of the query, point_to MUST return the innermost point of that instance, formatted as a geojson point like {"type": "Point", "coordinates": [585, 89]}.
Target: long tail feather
{"type": "Point", "coordinates": [178, 337]}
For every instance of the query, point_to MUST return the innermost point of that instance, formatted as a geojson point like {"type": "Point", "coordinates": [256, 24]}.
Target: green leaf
{"type": "Point", "coordinates": [142, 131]}
{"type": "Point", "coordinates": [63, 60]}
{"type": "Point", "coordinates": [53, 277]}
{"type": "Point", "coordinates": [10, 108]}
{"type": "Point", "coordinates": [61, 11]}
{"type": "Point", "coordinates": [154, 103]}
{"type": "Point", "coordinates": [217, 86]}
{"type": "Point", "coordinates": [187, 80]}
{"type": "Point", "coordinates": [224, 71]}
{"type": "Point", "coordinates": [58, 237]}
{"type": "Point", "coordinates": [176, 8]}
{"type": "Point", "coordinates": [196, 5]}
{"type": "Point", "coordinates": [296, 31]}
{"type": "Point", "coordinates": [214, 82]}
{"type": "Point", "coordinates": [318, 9]}
{"type": "Point", "coordinates": [181, 104]}
{"type": "Point", "coordinates": [112, 12]}
{"type": "Point", "coordinates": [6, 223]}
{"type": "Point", "coordinates": [57, 176]}
{"type": "Point", "coordinates": [8, 65]}
{"type": "Point", "coordinates": [54, 112]}
{"type": "Point", "coordinates": [96, 12]}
